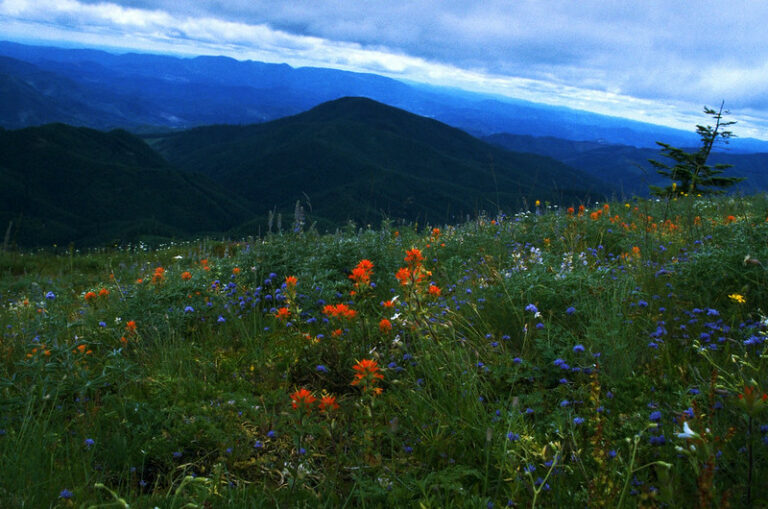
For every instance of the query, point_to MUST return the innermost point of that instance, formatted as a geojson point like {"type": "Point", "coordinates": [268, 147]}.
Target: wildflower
{"type": "Point", "coordinates": [291, 281]}
{"type": "Point", "coordinates": [578, 348]}
{"type": "Point", "coordinates": [321, 368]}
{"type": "Point", "coordinates": [687, 432]}
{"type": "Point", "coordinates": [221, 319]}
{"type": "Point", "coordinates": [50, 295]}
{"type": "Point", "coordinates": [65, 494]}
{"type": "Point", "coordinates": [636, 251]}
{"type": "Point", "coordinates": [738, 298]}
{"type": "Point", "coordinates": [340, 310]}
{"type": "Point", "coordinates": [236, 271]}
{"type": "Point", "coordinates": [283, 313]}
{"type": "Point", "coordinates": [303, 400]}
{"type": "Point", "coordinates": [328, 403]}
{"type": "Point", "coordinates": [90, 296]}
{"type": "Point", "coordinates": [130, 326]}
{"type": "Point", "coordinates": [434, 290]}
{"type": "Point", "coordinates": [103, 292]}
{"type": "Point", "coordinates": [413, 257]}
{"type": "Point", "coordinates": [571, 310]}
{"type": "Point", "coordinates": [362, 273]}
{"type": "Point", "coordinates": [513, 437]}
{"type": "Point", "coordinates": [403, 275]}
{"type": "Point", "coordinates": [531, 308]}
{"type": "Point", "coordinates": [655, 416]}
{"type": "Point", "coordinates": [186, 275]}
{"type": "Point", "coordinates": [88, 442]}
{"type": "Point", "coordinates": [367, 374]}
{"type": "Point", "coordinates": [578, 420]}
{"type": "Point", "coordinates": [385, 326]}
{"type": "Point", "coordinates": [750, 400]}
{"type": "Point", "coordinates": [159, 275]}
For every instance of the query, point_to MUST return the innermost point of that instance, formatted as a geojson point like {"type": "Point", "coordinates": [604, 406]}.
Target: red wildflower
{"type": "Point", "coordinates": [283, 313]}
{"type": "Point", "coordinates": [131, 326]}
{"type": "Point", "coordinates": [328, 403]}
{"type": "Point", "coordinates": [303, 400]}
{"type": "Point", "coordinates": [186, 275]}
{"type": "Point", "coordinates": [368, 375]}
{"type": "Point", "coordinates": [159, 275]}
{"type": "Point", "coordinates": [103, 292]}
{"type": "Point", "coordinates": [434, 290]}
{"type": "Point", "coordinates": [385, 325]}
{"type": "Point", "coordinates": [236, 271]}
{"type": "Point", "coordinates": [340, 310]}
{"type": "Point", "coordinates": [89, 296]}
{"type": "Point", "coordinates": [403, 275]}
{"type": "Point", "coordinates": [413, 257]}
{"type": "Point", "coordinates": [291, 281]}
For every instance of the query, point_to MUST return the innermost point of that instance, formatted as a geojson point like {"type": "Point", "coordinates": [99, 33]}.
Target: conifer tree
{"type": "Point", "coordinates": [691, 174]}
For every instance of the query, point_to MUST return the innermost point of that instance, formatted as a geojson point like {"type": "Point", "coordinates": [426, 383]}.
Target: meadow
{"type": "Point", "coordinates": [610, 355]}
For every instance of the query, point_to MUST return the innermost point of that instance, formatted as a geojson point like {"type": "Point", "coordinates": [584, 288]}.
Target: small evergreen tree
{"type": "Point", "coordinates": [691, 174]}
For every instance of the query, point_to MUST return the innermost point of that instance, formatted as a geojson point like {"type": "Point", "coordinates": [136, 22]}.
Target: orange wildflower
{"type": "Point", "coordinates": [159, 275]}
{"type": "Point", "coordinates": [636, 251]}
{"type": "Point", "coordinates": [337, 332]}
{"type": "Point", "coordinates": [340, 310]}
{"type": "Point", "coordinates": [413, 257]}
{"type": "Point", "coordinates": [388, 303]}
{"type": "Point", "coordinates": [131, 326]}
{"type": "Point", "coordinates": [186, 275]}
{"type": "Point", "coordinates": [434, 290]}
{"type": "Point", "coordinates": [89, 296]}
{"type": "Point", "coordinates": [570, 211]}
{"type": "Point", "coordinates": [385, 325]}
{"type": "Point", "coordinates": [291, 281]}
{"type": "Point", "coordinates": [367, 374]}
{"type": "Point", "coordinates": [403, 275]}
{"type": "Point", "coordinates": [236, 271]}
{"type": "Point", "coordinates": [103, 292]}
{"type": "Point", "coordinates": [303, 400]}
{"type": "Point", "coordinates": [730, 219]}
{"type": "Point", "coordinates": [328, 403]}
{"type": "Point", "coordinates": [362, 273]}
{"type": "Point", "coordinates": [283, 313]}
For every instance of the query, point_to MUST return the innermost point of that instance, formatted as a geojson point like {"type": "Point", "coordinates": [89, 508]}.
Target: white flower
{"type": "Point", "coordinates": [687, 432]}
{"type": "Point", "coordinates": [178, 257]}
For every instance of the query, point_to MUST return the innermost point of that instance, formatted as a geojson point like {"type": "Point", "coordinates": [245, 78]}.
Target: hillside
{"type": "Point", "coordinates": [60, 184]}
{"type": "Point", "coordinates": [627, 167]}
{"type": "Point", "coordinates": [142, 92]}
{"type": "Point", "coordinates": [357, 159]}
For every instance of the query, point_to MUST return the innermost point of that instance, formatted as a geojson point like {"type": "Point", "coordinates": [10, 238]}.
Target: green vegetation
{"type": "Point", "coordinates": [608, 356]}
{"type": "Point", "coordinates": [691, 174]}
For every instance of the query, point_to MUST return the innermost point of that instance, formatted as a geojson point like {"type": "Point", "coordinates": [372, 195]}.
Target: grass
{"type": "Point", "coordinates": [547, 359]}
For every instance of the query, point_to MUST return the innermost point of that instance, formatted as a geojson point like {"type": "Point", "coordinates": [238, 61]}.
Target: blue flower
{"type": "Point", "coordinates": [189, 309]}
{"type": "Point", "coordinates": [65, 494]}
{"type": "Point", "coordinates": [89, 442]}
{"type": "Point", "coordinates": [531, 308]}
{"type": "Point", "coordinates": [578, 348]}
{"type": "Point", "coordinates": [571, 310]}
{"type": "Point", "coordinates": [221, 319]}
{"type": "Point", "coordinates": [321, 368]}
{"type": "Point", "coordinates": [655, 416]}
{"type": "Point", "coordinates": [578, 420]}
{"type": "Point", "coordinates": [50, 295]}
{"type": "Point", "coordinates": [271, 433]}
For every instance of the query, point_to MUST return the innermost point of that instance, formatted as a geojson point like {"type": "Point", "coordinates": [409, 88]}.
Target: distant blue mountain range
{"type": "Point", "coordinates": [145, 92]}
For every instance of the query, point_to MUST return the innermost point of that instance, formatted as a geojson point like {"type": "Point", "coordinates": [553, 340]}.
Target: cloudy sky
{"type": "Point", "coordinates": [659, 61]}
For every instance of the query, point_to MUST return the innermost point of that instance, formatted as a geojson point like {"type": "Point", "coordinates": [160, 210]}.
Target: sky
{"type": "Point", "coordinates": [658, 61]}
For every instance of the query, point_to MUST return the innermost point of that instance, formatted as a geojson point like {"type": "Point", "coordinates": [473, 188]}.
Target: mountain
{"type": "Point", "coordinates": [60, 184]}
{"type": "Point", "coordinates": [142, 92]}
{"type": "Point", "coordinates": [354, 158]}
{"type": "Point", "coordinates": [627, 167]}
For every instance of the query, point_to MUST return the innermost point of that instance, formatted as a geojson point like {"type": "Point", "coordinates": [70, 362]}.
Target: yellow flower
{"type": "Point", "coordinates": [736, 297]}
